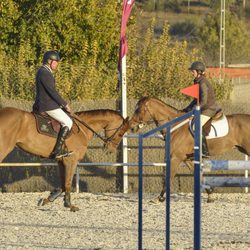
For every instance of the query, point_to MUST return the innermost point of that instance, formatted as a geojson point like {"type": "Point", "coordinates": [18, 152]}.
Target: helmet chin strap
{"type": "Point", "coordinates": [50, 63]}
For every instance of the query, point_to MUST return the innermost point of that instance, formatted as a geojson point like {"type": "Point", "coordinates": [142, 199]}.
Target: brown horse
{"type": "Point", "coordinates": [18, 128]}
{"type": "Point", "coordinates": [154, 110]}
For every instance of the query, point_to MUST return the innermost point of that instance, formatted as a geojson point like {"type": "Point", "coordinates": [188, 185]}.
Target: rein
{"type": "Point", "coordinates": [105, 140]}
{"type": "Point", "coordinates": [109, 139]}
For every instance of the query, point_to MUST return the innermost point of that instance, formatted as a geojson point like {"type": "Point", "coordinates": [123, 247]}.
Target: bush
{"type": "Point", "coordinates": [184, 29]}
{"type": "Point", "coordinates": [87, 38]}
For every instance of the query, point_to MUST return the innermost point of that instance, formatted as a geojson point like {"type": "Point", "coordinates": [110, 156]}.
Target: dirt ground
{"type": "Point", "coordinates": [110, 221]}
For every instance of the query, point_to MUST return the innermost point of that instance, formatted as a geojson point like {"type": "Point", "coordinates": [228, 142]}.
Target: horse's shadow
{"type": "Point", "coordinates": [45, 178]}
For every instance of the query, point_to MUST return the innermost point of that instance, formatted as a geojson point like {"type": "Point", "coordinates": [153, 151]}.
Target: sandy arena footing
{"type": "Point", "coordinates": [110, 221]}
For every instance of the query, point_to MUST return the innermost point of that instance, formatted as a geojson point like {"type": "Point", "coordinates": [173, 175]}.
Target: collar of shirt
{"type": "Point", "coordinates": [198, 79]}
{"type": "Point", "coordinates": [47, 67]}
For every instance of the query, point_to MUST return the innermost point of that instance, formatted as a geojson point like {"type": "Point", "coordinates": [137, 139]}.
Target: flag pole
{"type": "Point", "coordinates": [127, 7]}
{"type": "Point", "coordinates": [124, 114]}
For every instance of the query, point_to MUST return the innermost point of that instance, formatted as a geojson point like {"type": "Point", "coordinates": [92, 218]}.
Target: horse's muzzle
{"type": "Point", "coordinates": [136, 128]}
{"type": "Point", "coordinates": [109, 149]}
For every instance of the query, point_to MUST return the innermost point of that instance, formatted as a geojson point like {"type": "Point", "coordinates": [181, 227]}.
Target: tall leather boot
{"type": "Point", "coordinates": [58, 152]}
{"type": "Point", "coordinates": [204, 147]}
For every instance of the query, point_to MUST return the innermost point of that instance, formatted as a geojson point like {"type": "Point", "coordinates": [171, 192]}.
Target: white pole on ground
{"type": "Point", "coordinates": [77, 180]}
{"type": "Point", "coordinates": [124, 114]}
{"type": "Point", "coordinates": [246, 173]}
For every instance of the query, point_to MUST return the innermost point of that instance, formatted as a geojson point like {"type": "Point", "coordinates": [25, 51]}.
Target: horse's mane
{"type": "Point", "coordinates": [99, 112]}
{"type": "Point", "coordinates": [147, 98]}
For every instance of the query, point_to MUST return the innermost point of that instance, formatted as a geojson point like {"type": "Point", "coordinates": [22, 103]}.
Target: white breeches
{"type": "Point", "coordinates": [61, 116]}
{"type": "Point", "coordinates": [204, 119]}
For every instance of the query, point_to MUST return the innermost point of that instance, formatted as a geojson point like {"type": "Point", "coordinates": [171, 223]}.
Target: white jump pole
{"type": "Point", "coordinates": [246, 173]}
{"type": "Point", "coordinates": [124, 114]}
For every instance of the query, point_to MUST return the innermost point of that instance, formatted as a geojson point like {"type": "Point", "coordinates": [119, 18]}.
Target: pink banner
{"type": "Point", "coordinates": [127, 7]}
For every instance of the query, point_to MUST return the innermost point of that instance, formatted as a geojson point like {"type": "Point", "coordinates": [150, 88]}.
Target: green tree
{"type": "Point", "coordinates": [9, 13]}
{"type": "Point", "coordinates": [236, 38]}
{"type": "Point", "coordinates": [86, 32]}
{"type": "Point", "coordinates": [159, 68]}
{"type": "Point", "coordinates": [69, 25]}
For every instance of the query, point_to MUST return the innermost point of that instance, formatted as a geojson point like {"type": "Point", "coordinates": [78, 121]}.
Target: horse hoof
{"type": "Point", "coordinates": [74, 208]}
{"type": "Point", "coordinates": [210, 200]}
{"type": "Point", "coordinates": [161, 198]}
{"type": "Point", "coordinates": [42, 202]}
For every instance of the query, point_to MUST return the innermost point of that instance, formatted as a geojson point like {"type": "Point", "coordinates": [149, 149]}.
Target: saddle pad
{"type": "Point", "coordinates": [219, 128]}
{"type": "Point", "coordinates": [44, 126]}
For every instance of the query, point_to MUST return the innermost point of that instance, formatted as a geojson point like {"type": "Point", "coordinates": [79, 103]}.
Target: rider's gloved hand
{"type": "Point", "coordinates": [67, 108]}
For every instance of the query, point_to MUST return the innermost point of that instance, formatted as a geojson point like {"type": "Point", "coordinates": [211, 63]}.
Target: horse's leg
{"type": "Point", "coordinates": [70, 168]}
{"type": "Point", "coordinates": [9, 129]}
{"type": "Point", "coordinates": [67, 169]}
{"type": "Point", "coordinates": [208, 190]}
{"type": "Point", "coordinates": [7, 144]}
{"type": "Point", "coordinates": [175, 162]}
{"type": "Point", "coordinates": [52, 197]}
{"type": "Point", "coordinates": [62, 174]}
{"type": "Point", "coordinates": [57, 192]}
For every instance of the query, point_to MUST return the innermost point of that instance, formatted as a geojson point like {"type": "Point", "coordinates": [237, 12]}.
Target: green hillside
{"type": "Point", "coordinates": [198, 23]}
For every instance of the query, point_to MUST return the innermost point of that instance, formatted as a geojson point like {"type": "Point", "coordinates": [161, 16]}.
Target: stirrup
{"type": "Point", "coordinates": [63, 154]}
{"type": "Point", "coordinates": [59, 155]}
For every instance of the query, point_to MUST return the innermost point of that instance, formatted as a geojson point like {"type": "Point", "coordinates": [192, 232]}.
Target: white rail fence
{"type": "Point", "coordinates": [111, 164]}
{"type": "Point", "coordinates": [89, 164]}
{"type": "Point", "coordinates": [81, 164]}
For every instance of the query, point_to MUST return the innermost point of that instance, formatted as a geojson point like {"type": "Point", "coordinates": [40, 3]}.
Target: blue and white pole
{"type": "Point", "coordinates": [197, 179]}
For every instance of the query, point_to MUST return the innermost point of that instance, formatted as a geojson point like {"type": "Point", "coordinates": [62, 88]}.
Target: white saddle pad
{"type": "Point", "coordinates": [219, 128]}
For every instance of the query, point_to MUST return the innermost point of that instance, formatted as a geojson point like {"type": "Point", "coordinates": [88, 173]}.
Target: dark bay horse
{"type": "Point", "coordinates": [18, 128]}
{"type": "Point", "coordinates": [154, 110]}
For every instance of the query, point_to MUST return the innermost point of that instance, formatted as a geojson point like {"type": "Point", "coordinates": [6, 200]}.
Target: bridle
{"type": "Point", "coordinates": [110, 139]}
{"type": "Point", "coordinates": [105, 140]}
{"type": "Point", "coordinates": [151, 120]}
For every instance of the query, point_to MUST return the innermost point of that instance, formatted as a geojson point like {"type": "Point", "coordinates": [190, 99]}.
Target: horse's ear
{"type": "Point", "coordinates": [126, 119]}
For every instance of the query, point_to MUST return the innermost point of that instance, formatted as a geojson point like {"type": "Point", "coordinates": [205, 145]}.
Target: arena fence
{"type": "Point", "coordinates": [81, 164]}
{"type": "Point", "coordinates": [225, 165]}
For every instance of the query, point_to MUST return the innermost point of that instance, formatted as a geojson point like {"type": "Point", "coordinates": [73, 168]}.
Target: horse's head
{"type": "Point", "coordinates": [152, 110]}
{"type": "Point", "coordinates": [141, 116]}
{"type": "Point", "coordinates": [115, 135]}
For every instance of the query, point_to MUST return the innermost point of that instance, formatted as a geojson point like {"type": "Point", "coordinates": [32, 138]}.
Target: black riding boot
{"type": "Point", "coordinates": [204, 147]}
{"type": "Point", "coordinates": [58, 152]}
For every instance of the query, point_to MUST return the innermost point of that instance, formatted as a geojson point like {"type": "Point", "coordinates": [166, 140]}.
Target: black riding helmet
{"type": "Point", "coordinates": [198, 66]}
{"type": "Point", "coordinates": [51, 55]}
